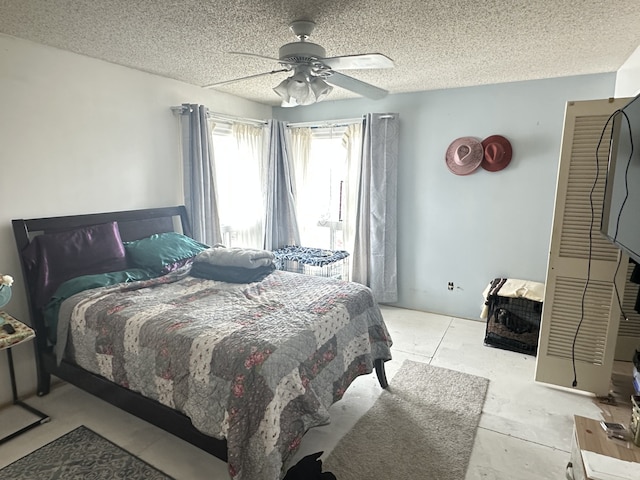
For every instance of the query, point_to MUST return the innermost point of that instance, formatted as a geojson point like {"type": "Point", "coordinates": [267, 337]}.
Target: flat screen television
{"type": "Point", "coordinates": [621, 208]}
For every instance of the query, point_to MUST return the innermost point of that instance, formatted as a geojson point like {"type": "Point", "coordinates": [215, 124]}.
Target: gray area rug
{"type": "Point", "coordinates": [422, 427]}
{"type": "Point", "coordinates": [81, 454]}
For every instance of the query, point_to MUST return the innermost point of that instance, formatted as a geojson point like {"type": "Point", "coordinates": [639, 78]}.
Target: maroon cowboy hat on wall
{"type": "Point", "coordinates": [497, 153]}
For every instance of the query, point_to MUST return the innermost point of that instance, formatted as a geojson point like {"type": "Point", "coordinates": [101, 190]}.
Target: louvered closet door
{"type": "Point", "coordinates": [629, 330]}
{"type": "Point", "coordinates": [563, 308]}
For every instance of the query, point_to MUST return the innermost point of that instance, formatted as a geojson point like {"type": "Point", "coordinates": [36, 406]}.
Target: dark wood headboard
{"type": "Point", "coordinates": [132, 224]}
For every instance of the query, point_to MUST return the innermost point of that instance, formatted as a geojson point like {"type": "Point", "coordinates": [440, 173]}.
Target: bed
{"type": "Point", "coordinates": [241, 370]}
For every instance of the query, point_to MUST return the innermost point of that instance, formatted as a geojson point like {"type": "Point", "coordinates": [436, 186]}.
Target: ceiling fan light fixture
{"type": "Point", "coordinates": [320, 88]}
{"type": "Point", "coordinates": [282, 91]}
{"type": "Point", "coordinates": [302, 88]}
{"type": "Point", "coordinates": [298, 86]}
{"type": "Point", "coordinates": [288, 104]}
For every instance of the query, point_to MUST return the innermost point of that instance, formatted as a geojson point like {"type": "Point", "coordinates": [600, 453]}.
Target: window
{"type": "Point", "coordinates": [238, 152]}
{"type": "Point", "coordinates": [322, 227]}
{"type": "Point", "coordinates": [323, 182]}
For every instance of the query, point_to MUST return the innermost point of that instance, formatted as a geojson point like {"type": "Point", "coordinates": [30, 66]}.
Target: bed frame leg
{"type": "Point", "coordinates": [44, 384]}
{"type": "Point", "coordinates": [43, 378]}
{"type": "Point", "coordinates": [382, 376]}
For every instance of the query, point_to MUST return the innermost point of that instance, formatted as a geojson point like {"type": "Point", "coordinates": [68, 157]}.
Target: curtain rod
{"type": "Point", "coordinates": [226, 118]}
{"type": "Point", "coordinates": [326, 123]}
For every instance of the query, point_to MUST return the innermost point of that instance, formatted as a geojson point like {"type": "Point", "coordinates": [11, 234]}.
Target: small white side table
{"type": "Point", "coordinates": [588, 436]}
{"type": "Point", "coordinates": [23, 333]}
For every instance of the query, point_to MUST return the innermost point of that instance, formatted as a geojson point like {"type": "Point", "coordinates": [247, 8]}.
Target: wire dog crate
{"type": "Point", "coordinates": [313, 261]}
{"type": "Point", "coordinates": [513, 324]}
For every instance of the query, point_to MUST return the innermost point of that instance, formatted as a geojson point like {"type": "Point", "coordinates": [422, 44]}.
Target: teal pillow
{"type": "Point", "coordinates": [162, 252]}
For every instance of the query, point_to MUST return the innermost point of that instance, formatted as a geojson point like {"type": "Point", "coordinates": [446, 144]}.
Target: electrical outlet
{"type": "Point", "coordinates": [450, 286]}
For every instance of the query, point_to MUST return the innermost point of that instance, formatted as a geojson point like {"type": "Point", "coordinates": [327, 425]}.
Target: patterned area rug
{"type": "Point", "coordinates": [81, 454]}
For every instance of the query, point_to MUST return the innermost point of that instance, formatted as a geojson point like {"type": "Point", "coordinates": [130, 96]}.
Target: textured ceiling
{"type": "Point", "coordinates": [435, 43]}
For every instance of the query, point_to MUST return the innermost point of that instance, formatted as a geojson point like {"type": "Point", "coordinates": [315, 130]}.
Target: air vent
{"type": "Point", "coordinates": [300, 59]}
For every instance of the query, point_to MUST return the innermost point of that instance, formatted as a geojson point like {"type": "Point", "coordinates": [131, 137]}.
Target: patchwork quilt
{"type": "Point", "coordinates": [257, 364]}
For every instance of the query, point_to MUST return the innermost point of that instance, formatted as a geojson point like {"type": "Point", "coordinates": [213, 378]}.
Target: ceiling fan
{"type": "Point", "coordinates": [313, 74]}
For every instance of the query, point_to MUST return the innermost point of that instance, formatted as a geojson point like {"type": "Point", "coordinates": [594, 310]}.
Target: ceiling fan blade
{"type": "Point", "coordinates": [226, 82]}
{"type": "Point", "coordinates": [254, 55]}
{"type": "Point", "coordinates": [356, 86]}
{"type": "Point", "coordinates": [357, 62]}
{"type": "Point", "coordinates": [273, 59]}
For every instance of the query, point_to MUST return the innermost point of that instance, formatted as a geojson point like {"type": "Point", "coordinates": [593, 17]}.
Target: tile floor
{"type": "Point", "coordinates": [525, 429]}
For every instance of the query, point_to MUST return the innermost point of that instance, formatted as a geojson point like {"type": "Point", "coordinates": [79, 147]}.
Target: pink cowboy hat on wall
{"type": "Point", "coordinates": [464, 155]}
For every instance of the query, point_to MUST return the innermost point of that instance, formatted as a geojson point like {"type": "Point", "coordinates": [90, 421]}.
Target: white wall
{"type": "Point", "coordinates": [79, 135]}
{"type": "Point", "coordinates": [471, 229]}
{"type": "Point", "coordinates": [628, 77]}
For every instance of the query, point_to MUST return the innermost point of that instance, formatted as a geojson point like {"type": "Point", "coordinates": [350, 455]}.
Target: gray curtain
{"type": "Point", "coordinates": [199, 182]}
{"type": "Point", "coordinates": [281, 224]}
{"type": "Point", "coordinates": [374, 261]}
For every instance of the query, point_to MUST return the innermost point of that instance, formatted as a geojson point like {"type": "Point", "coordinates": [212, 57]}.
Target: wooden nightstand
{"type": "Point", "coordinates": [22, 334]}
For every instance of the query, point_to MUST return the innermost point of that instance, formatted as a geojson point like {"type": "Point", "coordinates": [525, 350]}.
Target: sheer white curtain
{"type": "Point", "coordinates": [352, 142]}
{"type": "Point", "coordinates": [239, 170]}
{"type": "Point", "coordinates": [327, 168]}
{"type": "Point", "coordinates": [305, 201]}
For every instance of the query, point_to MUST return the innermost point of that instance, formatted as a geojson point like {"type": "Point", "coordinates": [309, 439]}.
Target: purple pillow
{"type": "Point", "coordinates": [54, 258]}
